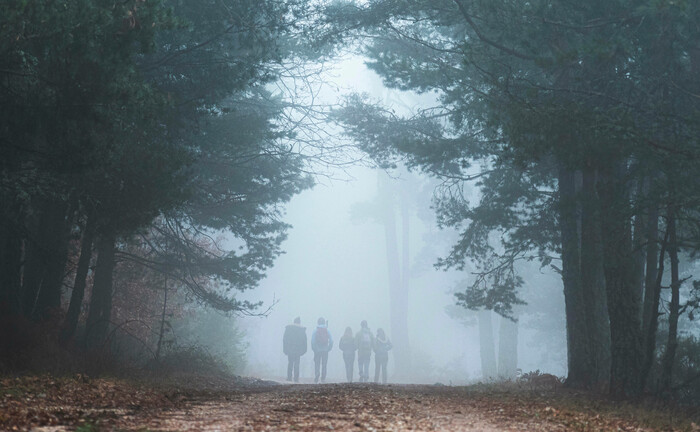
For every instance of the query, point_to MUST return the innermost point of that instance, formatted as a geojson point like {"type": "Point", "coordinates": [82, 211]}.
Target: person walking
{"type": "Point", "coordinates": [348, 346]}
{"type": "Point", "coordinates": [382, 345]}
{"type": "Point", "coordinates": [294, 346]}
{"type": "Point", "coordinates": [364, 342]}
{"type": "Point", "coordinates": [321, 344]}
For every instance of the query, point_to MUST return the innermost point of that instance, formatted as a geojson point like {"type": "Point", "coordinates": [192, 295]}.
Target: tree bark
{"type": "Point", "coordinates": [652, 325]}
{"type": "Point", "coordinates": [161, 333]}
{"type": "Point", "coordinates": [56, 239]}
{"type": "Point", "coordinates": [624, 311]}
{"type": "Point", "coordinates": [34, 264]}
{"type": "Point", "coordinates": [398, 295]}
{"type": "Point", "coordinates": [507, 349]}
{"type": "Point", "coordinates": [99, 315]}
{"type": "Point", "coordinates": [486, 346]}
{"type": "Point", "coordinates": [10, 260]}
{"type": "Point", "coordinates": [78, 294]}
{"type": "Point", "coordinates": [652, 256]}
{"type": "Point", "coordinates": [593, 283]}
{"type": "Point", "coordinates": [674, 305]}
{"type": "Point", "coordinates": [638, 247]}
{"type": "Point", "coordinates": [579, 373]}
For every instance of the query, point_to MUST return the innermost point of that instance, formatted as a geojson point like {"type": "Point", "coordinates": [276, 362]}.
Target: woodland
{"type": "Point", "coordinates": [148, 149]}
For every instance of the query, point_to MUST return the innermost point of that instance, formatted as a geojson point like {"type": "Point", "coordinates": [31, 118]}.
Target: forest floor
{"type": "Point", "coordinates": [45, 403]}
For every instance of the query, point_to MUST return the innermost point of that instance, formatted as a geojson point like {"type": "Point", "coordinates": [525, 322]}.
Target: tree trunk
{"type": "Point", "coordinates": [56, 239]}
{"type": "Point", "coordinates": [650, 329]}
{"type": "Point", "coordinates": [34, 264]}
{"type": "Point", "coordinates": [398, 296]}
{"type": "Point", "coordinates": [403, 366]}
{"type": "Point", "coordinates": [161, 333]}
{"type": "Point", "coordinates": [76, 299]}
{"type": "Point", "coordinates": [638, 247]}
{"type": "Point", "coordinates": [674, 305]}
{"type": "Point", "coordinates": [652, 288]}
{"type": "Point", "coordinates": [593, 283]}
{"type": "Point", "coordinates": [99, 315]}
{"type": "Point", "coordinates": [652, 256]}
{"type": "Point", "coordinates": [579, 373]}
{"type": "Point", "coordinates": [507, 349]}
{"type": "Point", "coordinates": [624, 311]}
{"type": "Point", "coordinates": [486, 346]}
{"type": "Point", "coordinates": [10, 260]}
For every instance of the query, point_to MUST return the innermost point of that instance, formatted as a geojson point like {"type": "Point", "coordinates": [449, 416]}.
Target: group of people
{"type": "Point", "coordinates": [294, 344]}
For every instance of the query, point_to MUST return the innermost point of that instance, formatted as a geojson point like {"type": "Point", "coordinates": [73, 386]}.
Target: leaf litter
{"type": "Point", "coordinates": [45, 403]}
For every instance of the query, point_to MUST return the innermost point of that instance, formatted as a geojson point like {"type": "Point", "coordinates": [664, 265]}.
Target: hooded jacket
{"type": "Point", "coordinates": [294, 340]}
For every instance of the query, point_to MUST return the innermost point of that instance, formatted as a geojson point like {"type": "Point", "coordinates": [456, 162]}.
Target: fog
{"type": "Point", "coordinates": [335, 267]}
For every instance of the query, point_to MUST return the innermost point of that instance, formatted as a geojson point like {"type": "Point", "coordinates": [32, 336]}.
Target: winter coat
{"type": "Point", "coordinates": [294, 340]}
{"type": "Point", "coordinates": [381, 347]}
{"type": "Point", "coordinates": [364, 347]}
{"type": "Point", "coordinates": [316, 346]}
{"type": "Point", "coordinates": [347, 345]}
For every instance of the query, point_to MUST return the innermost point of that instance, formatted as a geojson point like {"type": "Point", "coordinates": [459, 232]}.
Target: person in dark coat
{"type": "Point", "coordinates": [382, 345]}
{"type": "Point", "coordinates": [294, 346]}
{"type": "Point", "coordinates": [348, 347]}
{"type": "Point", "coordinates": [364, 341]}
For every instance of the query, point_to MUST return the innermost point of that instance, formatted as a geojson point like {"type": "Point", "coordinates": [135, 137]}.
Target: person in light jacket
{"type": "Point", "coordinates": [382, 345]}
{"type": "Point", "coordinates": [364, 341]}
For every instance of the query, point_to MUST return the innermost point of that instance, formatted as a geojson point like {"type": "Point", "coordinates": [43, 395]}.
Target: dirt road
{"type": "Point", "coordinates": [335, 407]}
{"type": "Point", "coordinates": [45, 403]}
{"type": "Point", "coordinates": [356, 407]}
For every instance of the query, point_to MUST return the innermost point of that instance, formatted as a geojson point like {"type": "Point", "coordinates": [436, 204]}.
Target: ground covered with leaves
{"type": "Point", "coordinates": [215, 403]}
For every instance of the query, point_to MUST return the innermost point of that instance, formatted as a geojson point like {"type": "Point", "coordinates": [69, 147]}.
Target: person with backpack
{"type": "Point", "coordinates": [382, 345]}
{"type": "Point", "coordinates": [364, 341]}
{"type": "Point", "coordinates": [321, 344]}
{"type": "Point", "coordinates": [348, 347]}
{"type": "Point", "coordinates": [294, 346]}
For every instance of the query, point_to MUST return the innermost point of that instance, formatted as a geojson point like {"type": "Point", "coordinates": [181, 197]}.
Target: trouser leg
{"type": "Point", "coordinates": [385, 362]}
{"type": "Point", "coordinates": [297, 360]}
{"type": "Point", "coordinates": [290, 365]}
{"type": "Point", "coordinates": [349, 361]}
{"type": "Point", "coordinates": [317, 366]}
{"type": "Point", "coordinates": [377, 365]}
{"type": "Point", "coordinates": [324, 365]}
{"type": "Point", "coordinates": [363, 368]}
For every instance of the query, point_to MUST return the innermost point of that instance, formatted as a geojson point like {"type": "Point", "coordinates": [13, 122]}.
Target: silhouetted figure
{"type": "Point", "coordinates": [382, 345]}
{"type": "Point", "coordinates": [321, 344]}
{"type": "Point", "coordinates": [294, 346]}
{"type": "Point", "coordinates": [348, 347]}
{"type": "Point", "coordinates": [364, 341]}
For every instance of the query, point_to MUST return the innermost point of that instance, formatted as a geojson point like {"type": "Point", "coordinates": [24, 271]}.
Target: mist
{"type": "Point", "coordinates": [335, 267]}
{"type": "Point", "coordinates": [193, 194]}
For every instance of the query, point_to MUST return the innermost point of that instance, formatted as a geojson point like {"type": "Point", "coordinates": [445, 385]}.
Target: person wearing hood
{"type": "Point", "coordinates": [294, 346]}
{"type": "Point", "coordinates": [382, 345]}
{"type": "Point", "coordinates": [348, 346]}
{"type": "Point", "coordinates": [321, 344]}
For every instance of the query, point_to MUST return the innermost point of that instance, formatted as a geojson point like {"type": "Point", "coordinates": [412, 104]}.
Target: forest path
{"type": "Point", "coordinates": [224, 403]}
{"type": "Point", "coordinates": [335, 407]}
